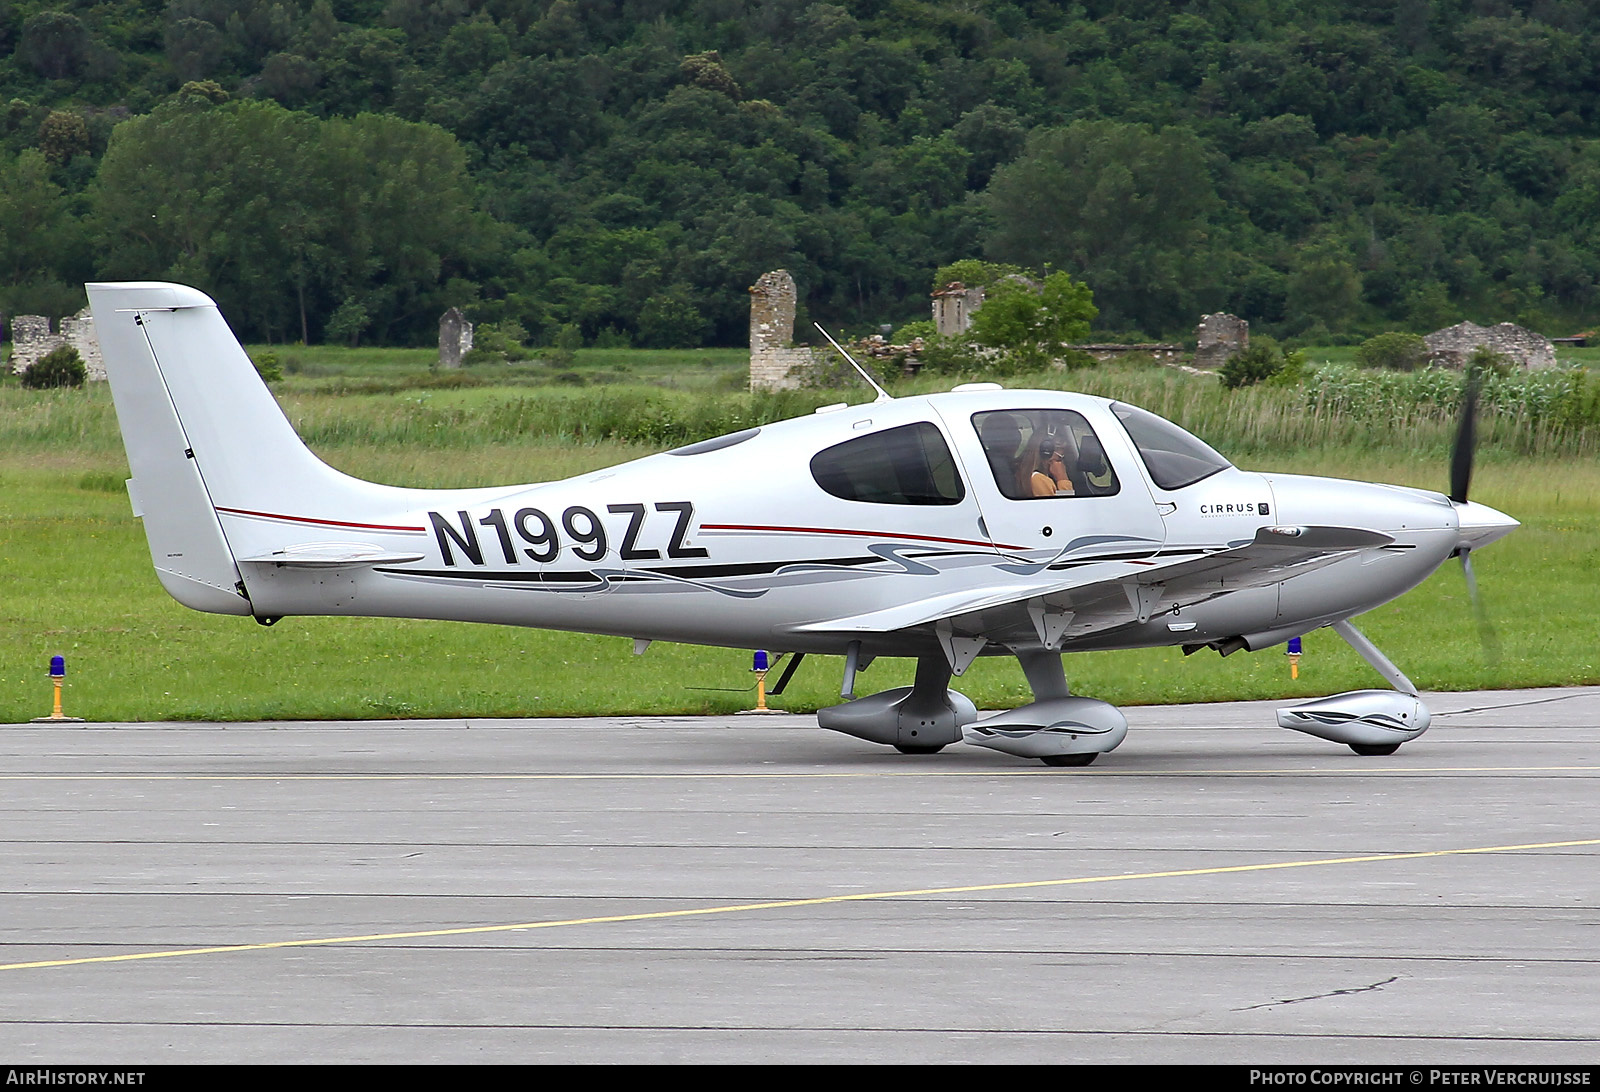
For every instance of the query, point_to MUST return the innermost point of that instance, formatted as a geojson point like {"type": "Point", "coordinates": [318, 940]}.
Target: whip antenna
{"type": "Point", "coordinates": [883, 395]}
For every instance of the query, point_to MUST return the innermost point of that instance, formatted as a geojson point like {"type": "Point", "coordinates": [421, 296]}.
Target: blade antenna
{"type": "Point", "coordinates": [883, 395]}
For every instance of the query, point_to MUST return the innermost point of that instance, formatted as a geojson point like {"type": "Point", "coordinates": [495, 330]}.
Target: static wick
{"type": "Point", "coordinates": [58, 676]}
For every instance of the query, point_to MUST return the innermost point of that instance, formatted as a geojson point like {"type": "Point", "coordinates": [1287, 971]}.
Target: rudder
{"type": "Point", "coordinates": [190, 552]}
{"type": "Point", "coordinates": [219, 474]}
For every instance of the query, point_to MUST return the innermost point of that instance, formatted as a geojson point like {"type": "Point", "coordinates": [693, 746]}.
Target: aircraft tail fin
{"type": "Point", "coordinates": [219, 474]}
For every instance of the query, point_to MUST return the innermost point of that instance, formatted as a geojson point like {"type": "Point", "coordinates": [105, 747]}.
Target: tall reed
{"type": "Point", "coordinates": [1355, 410]}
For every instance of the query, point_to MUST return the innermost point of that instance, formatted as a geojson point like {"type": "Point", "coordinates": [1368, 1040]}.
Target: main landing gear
{"type": "Point", "coordinates": [1056, 728]}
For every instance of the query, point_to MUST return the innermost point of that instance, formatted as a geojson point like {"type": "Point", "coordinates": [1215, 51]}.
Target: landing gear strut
{"type": "Point", "coordinates": [1056, 728]}
{"type": "Point", "coordinates": [1370, 722]}
{"type": "Point", "coordinates": [916, 720]}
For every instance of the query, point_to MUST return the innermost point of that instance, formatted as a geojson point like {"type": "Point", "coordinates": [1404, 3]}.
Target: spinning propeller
{"type": "Point", "coordinates": [1460, 481]}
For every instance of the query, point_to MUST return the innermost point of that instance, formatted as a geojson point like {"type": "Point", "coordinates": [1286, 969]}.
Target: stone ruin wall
{"type": "Point", "coordinates": [31, 340]}
{"type": "Point", "coordinates": [953, 306]}
{"type": "Point", "coordinates": [775, 363]}
{"type": "Point", "coordinates": [1452, 347]}
{"type": "Point", "coordinates": [779, 369]}
{"type": "Point", "coordinates": [1164, 352]}
{"type": "Point", "coordinates": [455, 338]}
{"type": "Point", "coordinates": [1218, 337]}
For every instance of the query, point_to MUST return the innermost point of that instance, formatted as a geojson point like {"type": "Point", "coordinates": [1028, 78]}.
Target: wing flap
{"type": "Point", "coordinates": [925, 611]}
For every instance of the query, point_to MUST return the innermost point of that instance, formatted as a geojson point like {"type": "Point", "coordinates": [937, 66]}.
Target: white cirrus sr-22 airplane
{"type": "Point", "coordinates": [980, 522]}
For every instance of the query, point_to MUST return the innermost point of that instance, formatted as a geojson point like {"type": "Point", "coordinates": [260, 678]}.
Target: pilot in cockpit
{"type": "Point", "coordinates": [1026, 459]}
{"type": "Point", "coordinates": [1044, 453]}
{"type": "Point", "coordinates": [1049, 457]}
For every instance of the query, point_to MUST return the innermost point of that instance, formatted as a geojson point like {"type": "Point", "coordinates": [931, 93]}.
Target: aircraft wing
{"type": "Point", "coordinates": [1076, 598]}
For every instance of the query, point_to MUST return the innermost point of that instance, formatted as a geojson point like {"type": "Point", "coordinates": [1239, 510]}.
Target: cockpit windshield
{"type": "Point", "coordinates": [1173, 457]}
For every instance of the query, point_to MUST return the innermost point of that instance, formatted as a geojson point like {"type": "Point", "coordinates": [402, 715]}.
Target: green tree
{"type": "Point", "coordinates": [706, 70]}
{"type": "Point", "coordinates": [473, 47]}
{"type": "Point", "coordinates": [195, 47]}
{"type": "Point", "coordinates": [290, 78]}
{"type": "Point", "coordinates": [268, 367]}
{"type": "Point", "coordinates": [63, 135]}
{"type": "Point", "coordinates": [1123, 204]}
{"type": "Point", "coordinates": [243, 211]}
{"type": "Point", "coordinates": [361, 69]}
{"type": "Point", "coordinates": [670, 320]}
{"type": "Point", "coordinates": [60, 367]}
{"type": "Point", "coordinates": [1397, 350]}
{"type": "Point", "coordinates": [974, 273]}
{"type": "Point", "coordinates": [992, 135]}
{"type": "Point", "coordinates": [1261, 362]}
{"type": "Point", "coordinates": [55, 44]}
{"type": "Point", "coordinates": [34, 217]}
{"type": "Point", "coordinates": [347, 322]}
{"type": "Point", "coordinates": [1035, 322]}
{"type": "Point", "coordinates": [548, 106]}
{"type": "Point", "coordinates": [1324, 287]}
{"type": "Point", "coordinates": [403, 221]}
{"type": "Point", "coordinates": [286, 218]}
{"type": "Point", "coordinates": [1428, 307]}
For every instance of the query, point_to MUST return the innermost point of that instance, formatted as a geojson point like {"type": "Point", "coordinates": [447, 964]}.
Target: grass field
{"type": "Point", "coordinates": [75, 575]}
{"type": "Point", "coordinates": [333, 368]}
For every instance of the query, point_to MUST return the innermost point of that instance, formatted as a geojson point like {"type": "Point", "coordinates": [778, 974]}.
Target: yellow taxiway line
{"type": "Point", "coordinates": [783, 904]}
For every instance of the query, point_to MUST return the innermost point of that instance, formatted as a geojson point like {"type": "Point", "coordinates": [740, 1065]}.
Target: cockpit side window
{"type": "Point", "coordinates": [1173, 457]}
{"type": "Point", "coordinates": [1040, 453]}
{"type": "Point", "coordinates": [910, 464]}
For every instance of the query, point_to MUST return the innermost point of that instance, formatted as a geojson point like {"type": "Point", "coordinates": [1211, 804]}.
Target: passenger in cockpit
{"type": "Point", "coordinates": [1097, 475]}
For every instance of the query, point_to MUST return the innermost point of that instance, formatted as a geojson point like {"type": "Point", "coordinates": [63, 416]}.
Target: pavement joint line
{"type": "Point", "coordinates": [1505, 705]}
{"type": "Point", "coordinates": [783, 904]}
{"type": "Point", "coordinates": [1350, 771]}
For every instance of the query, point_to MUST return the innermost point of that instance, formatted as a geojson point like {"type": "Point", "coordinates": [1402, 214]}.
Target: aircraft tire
{"type": "Point", "coordinates": [1070, 760]}
{"type": "Point", "coordinates": [919, 749]}
{"type": "Point", "coordinates": [1370, 750]}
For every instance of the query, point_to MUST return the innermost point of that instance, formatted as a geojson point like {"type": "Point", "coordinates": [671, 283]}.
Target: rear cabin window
{"type": "Point", "coordinates": [907, 465]}
{"type": "Point", "coordinates": [1034, 454]}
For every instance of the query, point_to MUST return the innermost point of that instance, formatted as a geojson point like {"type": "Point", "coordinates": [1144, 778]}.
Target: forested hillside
{"type": "Point", "coordinates": [346, 169]}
